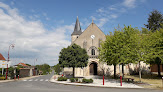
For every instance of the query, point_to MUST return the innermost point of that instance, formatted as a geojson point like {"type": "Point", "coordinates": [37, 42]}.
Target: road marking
{"type": "Point", "coordinates": [30, 80]}
{"type": "Point", "coordinates": [24, 80]}
{"type": "Point", "coordinates": [36, 79]}
{"type": "Point", "coordinates": [47, 80]}
{"type": "Point", "coordinates": [41, 79]}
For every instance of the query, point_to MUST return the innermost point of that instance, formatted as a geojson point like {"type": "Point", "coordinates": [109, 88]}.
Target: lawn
{"type": "Point", "coordinates": [148, 81]}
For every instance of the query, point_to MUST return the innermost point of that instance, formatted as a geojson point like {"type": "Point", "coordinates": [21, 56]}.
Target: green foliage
{"type": "Point", "coordinates": [154, 21]}
{"type": "Point", "coordinates": [74, 79]}
{"type": "Point", "coordinates": [57, 69]}
{"type": "Point", "coordinates": [62, 78]}
{"type": "Point", "coordinates": [45, 68]}
{"type": "Point", "coordinates": [73, 56]}
{"type": "Point", "coordinates": [28, 64]}
{"type": "Point", "coordinates": [87, 80]}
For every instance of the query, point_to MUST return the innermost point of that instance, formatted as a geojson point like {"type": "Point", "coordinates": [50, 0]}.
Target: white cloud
{"type": "Point", "coordinates": [31, 39]}
{"type": "Point", "coordinates": [129, 3]}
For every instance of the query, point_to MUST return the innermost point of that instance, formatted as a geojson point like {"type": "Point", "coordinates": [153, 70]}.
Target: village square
{"type": "Point", "coordinates": [106, 50]}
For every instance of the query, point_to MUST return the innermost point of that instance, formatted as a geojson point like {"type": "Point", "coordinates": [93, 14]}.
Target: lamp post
{"type": "Point", "coordinates": [12, 45]}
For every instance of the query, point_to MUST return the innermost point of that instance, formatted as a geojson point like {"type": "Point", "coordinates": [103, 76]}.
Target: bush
{"type": "Point", "coordinates": [62, 78]}
{"type": "Point", "coordinates": [2, 78]}
{"type": "Point", "coordinates": [76, 79]}
{"type": "Point", "coordinates": [87, 80]}
{"type": "Point", "coordinates": [72, 79]}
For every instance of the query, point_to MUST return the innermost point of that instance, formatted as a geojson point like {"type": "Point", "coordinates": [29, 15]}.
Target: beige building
{"type": "Point", "coordinates": [90, 39]}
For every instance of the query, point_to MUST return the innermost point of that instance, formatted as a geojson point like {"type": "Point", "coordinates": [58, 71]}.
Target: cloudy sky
{"type": "Point", "coordinates": [41, 28]}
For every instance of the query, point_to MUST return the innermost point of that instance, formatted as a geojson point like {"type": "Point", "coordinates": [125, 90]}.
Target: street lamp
{"type": "Point", "coordinates": [12, 45]}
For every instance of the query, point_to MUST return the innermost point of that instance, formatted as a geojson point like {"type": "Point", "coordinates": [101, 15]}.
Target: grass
{"type": "Point", "coordinates": [147, 81]}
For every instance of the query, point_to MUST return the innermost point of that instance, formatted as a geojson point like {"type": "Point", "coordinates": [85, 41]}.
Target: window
{"type": "Point", "coordinates": [92, 52]}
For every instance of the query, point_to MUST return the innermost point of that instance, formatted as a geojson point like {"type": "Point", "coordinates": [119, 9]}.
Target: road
{"type": "Point", "coordinates": [42, 84]}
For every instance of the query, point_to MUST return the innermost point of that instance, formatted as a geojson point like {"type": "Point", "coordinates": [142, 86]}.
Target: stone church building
{"type": "Point", "coordinates": [90, 40]}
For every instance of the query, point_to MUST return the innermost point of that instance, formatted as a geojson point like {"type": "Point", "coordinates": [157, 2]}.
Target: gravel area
{"type": "Point", "coordinates": [98, 83]}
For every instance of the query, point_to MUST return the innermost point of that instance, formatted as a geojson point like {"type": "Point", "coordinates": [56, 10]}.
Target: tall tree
{"type": "Point", "coordinates": [73, 56]}
{"type": "Point", "coordinates": [154, 21]}
{"type": "Point", "coordinates": [111, 49]}
{"type": "Point", "coordinates": [155, 48]}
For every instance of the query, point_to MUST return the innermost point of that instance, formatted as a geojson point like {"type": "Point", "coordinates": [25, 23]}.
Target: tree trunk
{"type": "Point", "coordinates": [158, 60]}
{"type": "Point", "coordinates": [73, 72]}
{"type": "Point", "coordinates": [139, 72]}
{"type": "Point", "coordinates": [159, 73]}
{"type": "Point", "coordinates": [122, 70]}
{"type": "Point", "coordinates": [114, 70]}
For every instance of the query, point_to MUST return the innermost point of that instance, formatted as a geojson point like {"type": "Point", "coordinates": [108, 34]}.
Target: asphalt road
{"type": "Point", "coordinates": [41, 84]}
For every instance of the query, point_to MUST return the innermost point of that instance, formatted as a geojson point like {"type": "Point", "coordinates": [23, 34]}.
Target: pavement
{"type": "Point", "coordinates": [97, 82]}
{"type": "Point", "coordinates": [42, 84]}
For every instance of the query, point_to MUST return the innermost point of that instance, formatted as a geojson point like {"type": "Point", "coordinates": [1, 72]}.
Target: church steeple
{"type": "Point", "coordinates": [77, 29]}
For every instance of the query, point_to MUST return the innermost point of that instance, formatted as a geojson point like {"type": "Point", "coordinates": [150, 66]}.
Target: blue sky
{"type": "Point", "coordinates": [41, 28]}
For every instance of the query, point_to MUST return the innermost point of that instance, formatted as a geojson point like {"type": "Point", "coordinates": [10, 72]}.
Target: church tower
{"type": "Point", "coordinates": [77, 31]}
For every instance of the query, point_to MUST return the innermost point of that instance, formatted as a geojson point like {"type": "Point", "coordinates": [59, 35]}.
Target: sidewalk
{"type": "Point", "coordinates": [25, 78]}
{"type": "Point", "coordinates": [98, 83]}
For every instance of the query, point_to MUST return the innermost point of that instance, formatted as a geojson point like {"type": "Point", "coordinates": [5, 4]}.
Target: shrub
{"type": "Point", "coordinates": [76, 79]}
{"type": "Point", "coordinates": [72, 79]}
{"type": "Point", "coordinates": [2, 78]}
{"type": "Point", "coordinates": [62, 78]}
{"type": "Point", "coordinates": [87, 80]}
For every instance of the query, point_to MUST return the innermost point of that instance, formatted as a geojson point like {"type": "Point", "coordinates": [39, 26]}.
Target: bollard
{"type": "Point", "coordinates": [121, 80]}
{"type": "Point", "coordinates": [162, 81]}
{"type": "Point", "coordinates": [103, 79]}
{"type": "Point", "coordinates": [18, 77]}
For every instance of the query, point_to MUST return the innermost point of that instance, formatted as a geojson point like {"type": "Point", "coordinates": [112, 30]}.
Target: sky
{"type": "Point", "coordinates": [41, 28]}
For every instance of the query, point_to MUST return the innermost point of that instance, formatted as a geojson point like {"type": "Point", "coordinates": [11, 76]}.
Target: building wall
{"type": "Point", "coordinates": [154, 68]}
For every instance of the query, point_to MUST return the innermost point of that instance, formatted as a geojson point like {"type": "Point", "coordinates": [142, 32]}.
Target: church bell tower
{"type": "Point", "coordinates": [77, 31]}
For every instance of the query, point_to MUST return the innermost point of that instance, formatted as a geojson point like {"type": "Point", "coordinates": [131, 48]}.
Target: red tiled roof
{"type": "Point", "coordinates": [1, 57]}
{"type": "Point", "coordinates": [22, 64]}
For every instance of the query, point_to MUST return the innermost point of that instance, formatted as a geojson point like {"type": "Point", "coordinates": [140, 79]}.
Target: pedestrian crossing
{"type": "Point", "coordinates": [37, 80]}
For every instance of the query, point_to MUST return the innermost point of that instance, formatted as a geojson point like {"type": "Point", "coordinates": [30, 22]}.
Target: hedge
{"type": "Point", "coordinates": [62, 78]}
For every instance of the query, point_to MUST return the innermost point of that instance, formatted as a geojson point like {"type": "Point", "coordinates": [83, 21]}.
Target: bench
{"type": "Point", "coordinates": [130, 79]}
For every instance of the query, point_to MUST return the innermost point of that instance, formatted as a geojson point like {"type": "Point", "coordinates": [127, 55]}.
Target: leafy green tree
{"type": "Point", "coordinates": [154, 21]}
{"type": "Point", "coordinates": [45, 68]}
{"type": "Point", "coordinates": [28, 64]}
{"type": "Point", "coordinates": [110, 49]}
{"type": "Point", "coordinates": [155, 48]}
{"type": "Point", "coordinates": [57, 68]}
{"type": "Point", "coordinates": [73, 56]}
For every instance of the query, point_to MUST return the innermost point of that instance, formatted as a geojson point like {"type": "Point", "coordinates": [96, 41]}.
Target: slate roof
{"type": "Point", "coordinates": [1, 57]}
{"type": "Point", "coordinates": [77, 29]}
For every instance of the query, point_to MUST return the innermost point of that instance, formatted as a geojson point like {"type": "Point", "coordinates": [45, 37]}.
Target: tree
{"type": "Point", "coordinates": [28, 64]}
{"type": "Point", "coordinates": [154, 21]}
{"type": "Point", "coordinates": [57, 68]}
{"type": "Point", "coordinates": [110, 49]}
{"type": "Point", "coordinates": [45, 68]}
{"type": "Point", "coordinates": [155, 48]}
{"type": "Point", "coordinates": [73, 56]}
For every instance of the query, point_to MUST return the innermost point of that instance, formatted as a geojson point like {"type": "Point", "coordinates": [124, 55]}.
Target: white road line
{"type": "Point", "coordinates": [36, 79]}
{"type": "Point", "coordinates": [30, 80]}
{"type": "Point", "coordinates": [24, 80]}
{"type": "Point", "coordinates": [41, 79]}
{"type": "Point", "coordinates": [47, 80]}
